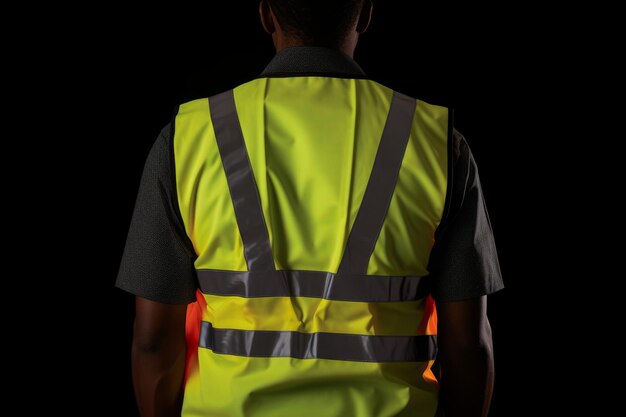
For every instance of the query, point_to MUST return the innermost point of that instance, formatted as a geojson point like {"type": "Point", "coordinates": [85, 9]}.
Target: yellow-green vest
{"type": "Point", "coordinates": [312, 204]}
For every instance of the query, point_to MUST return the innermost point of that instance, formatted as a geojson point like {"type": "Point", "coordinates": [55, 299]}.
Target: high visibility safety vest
{"type": "Point", "coordinates": [312, 204]}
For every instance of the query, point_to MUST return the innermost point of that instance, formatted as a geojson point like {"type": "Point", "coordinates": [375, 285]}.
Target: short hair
{"type": "Point", "coordinates": [317, 22]}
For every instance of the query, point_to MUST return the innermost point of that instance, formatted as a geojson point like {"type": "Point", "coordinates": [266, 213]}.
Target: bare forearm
{"type": "Point", "coordinates": [158, 358]}
{"type": "Point", "coordinates": [467, 378]}
{"type": "Point", "coordinates": [158, 380]}
{"type": "Point", "coordinates": [465, 357]}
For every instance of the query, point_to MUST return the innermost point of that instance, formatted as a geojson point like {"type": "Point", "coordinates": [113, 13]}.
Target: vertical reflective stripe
{"type": "Point", "coordinates": [241, 183]}
{"type": "Point", "coordinates": [380, 188]}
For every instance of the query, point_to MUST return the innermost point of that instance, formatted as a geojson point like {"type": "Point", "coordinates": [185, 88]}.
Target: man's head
{"type": "Point", "coordinates": [328, 23]}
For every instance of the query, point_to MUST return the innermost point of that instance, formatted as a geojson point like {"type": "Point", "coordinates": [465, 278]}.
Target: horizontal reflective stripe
{"type": "Point", "coordinates": [345, 287]}
{"type": "Point", "coordinates": [334, 346]}
{"type": "Point", "coordinates": [312, 315]}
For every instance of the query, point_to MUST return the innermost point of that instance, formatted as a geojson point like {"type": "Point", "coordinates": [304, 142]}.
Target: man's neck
{"type": "Point", "coordinates": [347, 47]}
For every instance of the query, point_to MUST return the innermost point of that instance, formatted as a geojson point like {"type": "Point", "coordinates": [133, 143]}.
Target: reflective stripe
{"type": "Point", "coordinates": [374, 205]}
{"type": "Point", "coordinates": [337, 346]}
{"type": "Point", "coordinates": [363, 288]}
{"type": "Point", "coordinates": [377, 198]}
{"type": "Point", "coordinates": [241, 183]}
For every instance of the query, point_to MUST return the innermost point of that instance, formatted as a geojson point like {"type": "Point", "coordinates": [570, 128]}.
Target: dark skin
{"type": "Point", "coordinates": [158, 357]}
{"type": "Point", "coordinates": [465, 357]}
{"type": "Point", "coordinates": [464, 334]}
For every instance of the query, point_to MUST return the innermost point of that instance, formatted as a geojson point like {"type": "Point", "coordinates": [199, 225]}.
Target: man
{"type": "Point", "coordinates": [292, 236]}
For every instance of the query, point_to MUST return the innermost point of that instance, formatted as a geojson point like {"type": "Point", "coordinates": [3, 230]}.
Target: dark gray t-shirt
{"type": "Point", "coordinates": [158, 260]}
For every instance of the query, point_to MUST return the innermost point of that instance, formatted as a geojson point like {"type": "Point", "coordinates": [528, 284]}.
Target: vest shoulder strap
{"type": "Point", "coordinates": [380, 187]}
{"type": "Point", "coordinates": [372, 211]}
{"type": "Point", "coordinates": [241, 183]}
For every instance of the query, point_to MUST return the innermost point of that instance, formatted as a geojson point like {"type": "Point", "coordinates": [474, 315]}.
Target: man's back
{"type": "Point", "coordinates": [314, 157]}
{"type": "Point", "coordinates": [312, 142]}
{"type": "Point", "coordinates": [310, 218]}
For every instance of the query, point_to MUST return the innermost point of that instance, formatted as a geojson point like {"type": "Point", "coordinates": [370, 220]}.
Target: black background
{"type": "Point", "coordinates": [139, 68]}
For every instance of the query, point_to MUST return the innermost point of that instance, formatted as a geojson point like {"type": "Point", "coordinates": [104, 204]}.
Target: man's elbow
{"type": "Point", "coordinates": [468, 353]}
{"type": "Point", "coordinates": [147, 342]}
{"type": "Point", "coordinates": [479, 345]}
{"type": "Point", "coordinates": [466, 358]}
{"type": "Point", "coordinates": [144, 345]}
{"type": "Point", "coordinates": [480, 353]}
{"type": "Point", "coordinates": [478, 348]}
{"type": "Point", "coordinates": [485, 341]}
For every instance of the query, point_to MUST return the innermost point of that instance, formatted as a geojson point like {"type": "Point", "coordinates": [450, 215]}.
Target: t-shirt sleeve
{"type": "Point", "coordinates": [464, 261]}
{"type": "Point", "coordinates": [158, 260]}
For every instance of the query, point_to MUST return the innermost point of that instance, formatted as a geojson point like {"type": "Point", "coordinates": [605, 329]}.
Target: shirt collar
{"type": "Point", "coordinates": [312, 60]}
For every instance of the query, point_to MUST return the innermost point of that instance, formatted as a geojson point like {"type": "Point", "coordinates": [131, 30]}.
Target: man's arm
{"type": "Point", "coordinates": [158, 358]}
{"type": "Point", "coordinates": [465, 357]}
{"type": "Point", "coordinates": [464, 268]}
{"type": "Point", "coordinates": [158, 265]}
